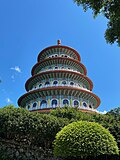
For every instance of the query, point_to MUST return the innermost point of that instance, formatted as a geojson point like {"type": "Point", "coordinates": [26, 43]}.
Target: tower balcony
{"type": "Point", "coordinates": [61, 84]}
{"type": "Point", "coordinates": [62, 93]}
{"type": "Point", "coordinates": [59, 77]}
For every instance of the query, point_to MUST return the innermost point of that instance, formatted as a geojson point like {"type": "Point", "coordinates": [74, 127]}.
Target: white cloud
{"type": "Point", "coordinates": [8, 100]}
{"type": "Point", "coordinates": [104, 112]}
{"type": "Point", "coordinates": [16, 68]}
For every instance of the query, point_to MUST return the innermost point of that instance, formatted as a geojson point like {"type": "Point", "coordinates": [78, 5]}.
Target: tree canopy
{"type": "Point", "coordinates": [111, 10]}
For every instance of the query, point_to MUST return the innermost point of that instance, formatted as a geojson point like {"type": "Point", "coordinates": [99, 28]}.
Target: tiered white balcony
{"type": "Point", "coordinates": [51, 85]}
{"type": "Point", "coordinates": [64, 69]}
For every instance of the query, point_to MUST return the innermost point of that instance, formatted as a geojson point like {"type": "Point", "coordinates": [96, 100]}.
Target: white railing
{"type": "Point", "coordinates": [59, 69]}
{"type": "Point", "coordinates": [52, 85]}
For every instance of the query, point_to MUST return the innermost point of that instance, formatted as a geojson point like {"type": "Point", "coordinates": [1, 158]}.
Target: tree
{"type": "Point", "coordinates": [111, 120]}
{"type": "Point", "coordinates": [20, 125]}
{"type": "Point", "coordinates": [71, 113]}
{"type": "Point", "coordinates": [115, 111]}
{"type": "Point", "coordinates": [84, 139]}
{"type": "Point", "coordinates": [111, 10]}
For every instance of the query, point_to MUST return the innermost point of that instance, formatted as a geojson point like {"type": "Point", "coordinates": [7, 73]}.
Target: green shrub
{"type": "Point", "coordinates": [31, 128]}
{"type": "Point", "coordinates": [73, 114]}
{"type": "Point", "coordinates": [111, 120]}
{"type": "Point", "coordinates": [84, 139]}
{"type": "Point", "coordinates": [47, 128]}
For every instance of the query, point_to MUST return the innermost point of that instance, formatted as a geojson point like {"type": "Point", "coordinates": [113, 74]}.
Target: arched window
{"type": "Point", "coordinates": [43, 104]}
{"type": "Point", "coordinates": [50, 68]}
{"type": "Point", "coordinates": [62, 55]}
{"type": "Point", "coordinates": [68, 68]}
{"type": "Point", "coordinates": [28, 106]}
{"type": "Point", "coordinates": [56, 55]}
{"type": "Point", "coordinates": [64, 83]}
{"type": "Point", "coordinates": [52, 56]}
{"type": "Point", "coordinates": [65, 102]}
{"type": "Point", "coordinates": [84, 104]}
{"type": "Point", "coordinates": [56, 67]}
{"type": "Point", "coordinates": [40, 85]}
{"type": "Point", "coordinates": [90, 106]}
{"type": "Point", "coordinates": [47, 83]}
{"type": "Point", "coordinates": [65, 56]}
{"type": "Point", "coordinates": [55, 83]}
{"type": "Point", "coordinates": [71, 83]}
{"type": "Point", "coordinates": [76, 103]}
{"type": "Point", "coordinates": [54, 103]}
{"type": "Point", "coordinates": [35, 105]}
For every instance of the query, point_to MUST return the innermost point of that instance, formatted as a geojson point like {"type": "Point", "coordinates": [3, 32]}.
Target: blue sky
{"type": "Point", "coordinates": [27, 27]}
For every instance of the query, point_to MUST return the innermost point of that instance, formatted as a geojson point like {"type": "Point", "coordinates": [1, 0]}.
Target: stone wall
{"type": "Point", "coordinates": [10, 150]}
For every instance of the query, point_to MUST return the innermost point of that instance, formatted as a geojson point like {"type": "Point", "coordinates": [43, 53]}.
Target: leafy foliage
{"type": "Point", "coordinates": [115, 111]}
{"type": "Point", "coordinates": [21, 125]}
{"type": "Point", "coordinates": [34, 129]}
{"type": "Point", "coordinates": [109, 121]}
{"type": "Point", "coordinates": [71, 113]}
{"type": "Point", "coordinates": [83, 139]}
{"type": "Point", "coordinates": [111, 10]}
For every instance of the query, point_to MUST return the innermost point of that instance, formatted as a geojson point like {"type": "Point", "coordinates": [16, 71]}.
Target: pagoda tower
{"type": "Point", "coordinates": [59, 79]}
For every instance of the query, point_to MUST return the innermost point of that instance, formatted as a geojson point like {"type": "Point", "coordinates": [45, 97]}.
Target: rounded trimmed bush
{"type": "Point", "coordinates": [83, 139]}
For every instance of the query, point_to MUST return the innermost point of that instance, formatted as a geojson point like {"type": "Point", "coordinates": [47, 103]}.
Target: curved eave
{"type": "Point", "coordinates": [69, 59]}
{"type": "Point", "coordinates": [58, 71]}
{"type": "Point", "coordinates": [58, 88]}
{"type": "Point", "coordinates": [59, 46]}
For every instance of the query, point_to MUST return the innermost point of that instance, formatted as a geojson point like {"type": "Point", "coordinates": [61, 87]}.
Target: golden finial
{"type": "Point", "coordinates": [58, 42]}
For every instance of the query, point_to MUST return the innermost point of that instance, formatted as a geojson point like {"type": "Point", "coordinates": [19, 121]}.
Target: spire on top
{"type": "Point", "coordinates": [58, 42]}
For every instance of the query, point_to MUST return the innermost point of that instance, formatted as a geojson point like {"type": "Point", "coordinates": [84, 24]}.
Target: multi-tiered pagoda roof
{"type": "Point", "coordinates": [58, 79]}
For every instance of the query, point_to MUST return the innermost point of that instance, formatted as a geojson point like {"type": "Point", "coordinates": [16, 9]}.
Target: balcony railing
{"type": "Point", "coordinates": [62, 85]}
{"type": "Point", "coordinates": [65, 69]}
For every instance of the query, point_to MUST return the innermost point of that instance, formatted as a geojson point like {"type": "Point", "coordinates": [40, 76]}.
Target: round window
{"type": "Point", "coordinates": [64, 82]}
{"type": "Point", "coordinates": [56, 67]}
{"type": "Point", "coordinates": [43, 104]}
{"type": "Point", "coordinates": [65, 102]}
{"type": "Point", "coordinates": [71, 83]}
{"type": "Point", "coordinates": [84, 104]}
{"type": "Point", "coordinates": [76, 103]}
{"type": "Point", "coordinates": [40, 85]}
{"type": "Point", "coordinates": [28, 106]}
{"type": "Point", "coordinates": [90, 106]}
{"type": "Point", "coordinates": [55, 82]}
{"type": "Point", "coordinates": [54, 103]}
{"type": "Point", "coordinates": [34, 105]}
{"type": "Point", "coordinates": [47, 83]}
